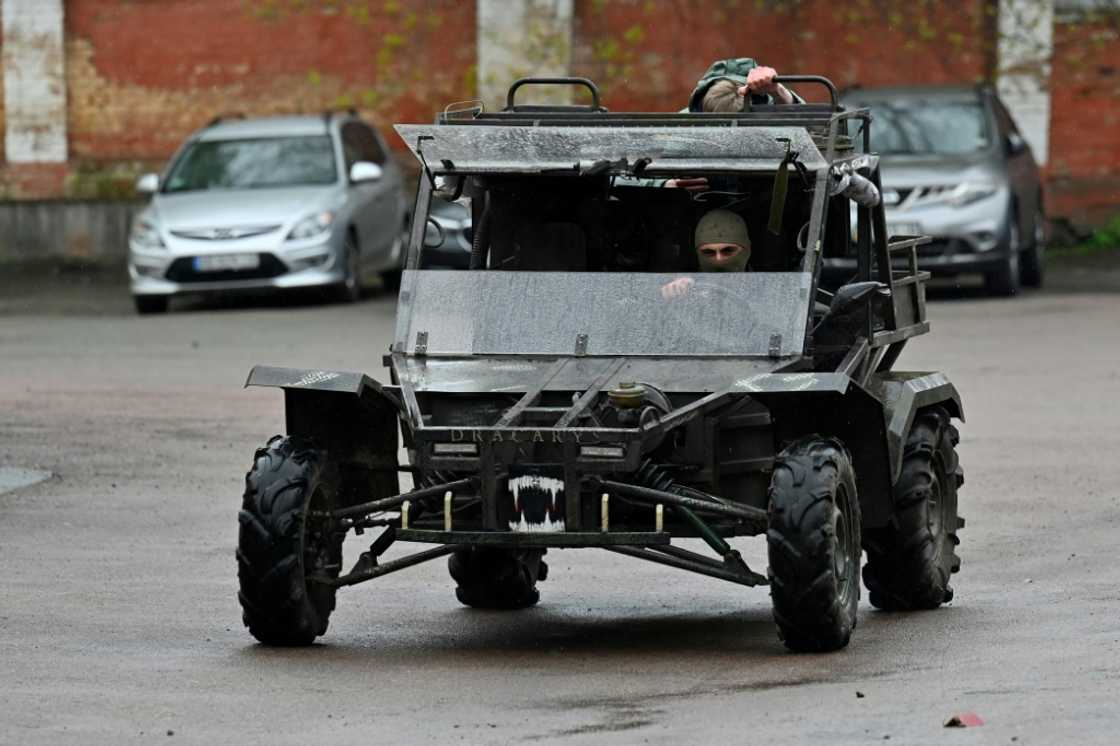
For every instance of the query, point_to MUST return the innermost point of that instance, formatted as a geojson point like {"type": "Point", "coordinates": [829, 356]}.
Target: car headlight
{"type": "Point", "coordinates": [145, 235]}
{"type": "Point", "coordinates": [312, 225]}
{"type": "Point", "coordinates": [968, 192]}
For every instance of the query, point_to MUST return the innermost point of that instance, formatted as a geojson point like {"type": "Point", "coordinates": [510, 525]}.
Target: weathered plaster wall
{"type": "Point", "coordinates": [1026, 45]}
{"type": "Point", "coordinates": [72, 230]}
{"type": "Point", "coordinates": [34, 81]}
{"type": "Point", "coordinates": [517, 39]}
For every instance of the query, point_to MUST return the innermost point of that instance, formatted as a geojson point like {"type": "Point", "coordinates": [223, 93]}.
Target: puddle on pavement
{"type": "Point", "coordinates": [12, 478]}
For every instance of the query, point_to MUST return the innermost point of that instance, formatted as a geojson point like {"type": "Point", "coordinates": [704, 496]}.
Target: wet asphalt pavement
{"type": "Point", "coordinates": [119, 621]}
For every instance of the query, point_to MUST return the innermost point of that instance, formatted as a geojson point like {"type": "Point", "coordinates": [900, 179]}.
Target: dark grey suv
{"type": "Point", "coordinates": [956, 168]}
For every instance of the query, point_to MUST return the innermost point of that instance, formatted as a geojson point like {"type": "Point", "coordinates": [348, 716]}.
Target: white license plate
{"type": "Point", "coordinates": [904, 229]}
{"type": "Point", "coordinates": [219, 262]}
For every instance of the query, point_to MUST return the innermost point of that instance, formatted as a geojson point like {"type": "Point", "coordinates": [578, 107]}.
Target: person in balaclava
{"type": "Point", "coordinates": [722, 245]}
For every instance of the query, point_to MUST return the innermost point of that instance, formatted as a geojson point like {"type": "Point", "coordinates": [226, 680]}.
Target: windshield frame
{"type": "Point", "coordinates": [189, 147]}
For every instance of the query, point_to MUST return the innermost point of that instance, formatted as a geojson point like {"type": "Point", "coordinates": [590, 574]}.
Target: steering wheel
{"type": "Point", "coordinates": [700, 291]}
{"type": "Point", "coordinates": [713, 194]}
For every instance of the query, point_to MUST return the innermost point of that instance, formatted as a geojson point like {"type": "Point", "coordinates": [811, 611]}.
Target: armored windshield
{"type": "Point", "coordinates": [601, 313]}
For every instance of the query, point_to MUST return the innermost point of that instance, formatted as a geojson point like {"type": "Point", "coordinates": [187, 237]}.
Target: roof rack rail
{"type": "Point", "coordinates": [225, 117]}
{"type": "Point", "coordinates": [569, 81]}
{"type": "Point", "coordinates": [774, 115]}
{"type": "Point", "coordinates": [330, 113]}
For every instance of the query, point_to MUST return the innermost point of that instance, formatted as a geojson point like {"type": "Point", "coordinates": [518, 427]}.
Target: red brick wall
{"type": "Point", "coordinates": [143, 75]}
{"type": "Point", "coordinates": [648, 55]}
{"type": "Point", "coordinates": [1084, 168]}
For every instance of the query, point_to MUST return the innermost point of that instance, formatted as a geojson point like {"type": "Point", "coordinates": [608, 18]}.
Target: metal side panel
{"type": "Point", "coordinates": [314, 379]}
{"type": "Point", "coordinates": [902, 394]}
{"type": "Point", "coordinates": [792, 383]}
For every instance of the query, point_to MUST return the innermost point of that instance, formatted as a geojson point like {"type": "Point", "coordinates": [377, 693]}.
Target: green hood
{"type": "Point", "coordinates": [734, 69]}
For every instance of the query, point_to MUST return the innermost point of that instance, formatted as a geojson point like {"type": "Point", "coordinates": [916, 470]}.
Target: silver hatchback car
{"type": "Point", "coordinates": [956, 168]}
{"type": "Point", "coordinates": [270, 203]}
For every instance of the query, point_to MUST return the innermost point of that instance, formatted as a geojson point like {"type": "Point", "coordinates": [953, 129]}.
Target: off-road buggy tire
{"type": "Point", "coordinates": [910, 561]}
{"type": "Point", "coordinates": [280, 544]}
{"type": "Point", "coordinates": [813, 543]}
{"type": "Point", "coordinates": [490, 578]}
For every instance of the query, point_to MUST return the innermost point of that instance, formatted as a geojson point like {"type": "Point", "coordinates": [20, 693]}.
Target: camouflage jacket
{"type": "Point", "coordinates": [735, 70]}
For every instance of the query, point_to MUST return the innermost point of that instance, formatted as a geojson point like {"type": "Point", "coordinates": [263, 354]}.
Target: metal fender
{"type": "Point", "coordinates": [354, 418]}
{"type": "Point", "coordinates": [902, 395]}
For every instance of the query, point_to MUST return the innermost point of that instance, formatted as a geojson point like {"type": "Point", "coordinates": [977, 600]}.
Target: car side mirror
{"type": "Point", "coordinates": [433, 234]}
{"type": "Point", "coordinates": [147, 184]}
{"type": "Point", "coordinates": [1014, 143]}
{"type": "Point", "coordinates": [365, 171]}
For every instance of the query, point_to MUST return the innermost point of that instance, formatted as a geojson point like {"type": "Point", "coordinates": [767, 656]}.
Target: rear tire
{"type": "Point", "coordinates": [910, 561]}
{"type": "Point", "coordinates": [814, 545]}
{"type": "Point", "coordinates": [150, 304]}
{"type": "Point", "coordinates": [491, 578]}
{"type": "Point", "coordinates": [281, 544]}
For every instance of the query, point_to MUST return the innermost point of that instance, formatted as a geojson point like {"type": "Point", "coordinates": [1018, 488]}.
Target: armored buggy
{"type": "Point", "coordinates": [552, 396]}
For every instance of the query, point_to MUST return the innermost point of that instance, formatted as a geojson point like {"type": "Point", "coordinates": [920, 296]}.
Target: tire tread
{"type": "Point", "coordinates": [277, 605]}
{"type": "Point", "coordinates": [808, 610]}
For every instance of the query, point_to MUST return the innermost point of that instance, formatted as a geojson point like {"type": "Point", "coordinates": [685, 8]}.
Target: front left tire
{"type": "Point", "coordinates": [813, 544]}
{"type": "Point", "coordinates": [286, 544]}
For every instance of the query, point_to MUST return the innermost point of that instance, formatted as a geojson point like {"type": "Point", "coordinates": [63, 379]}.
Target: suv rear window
{"type": "Point", "coordinates": [254, 164]}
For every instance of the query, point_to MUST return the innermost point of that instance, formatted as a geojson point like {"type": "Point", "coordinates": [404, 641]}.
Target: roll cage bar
{"type": "Point", "coordinates": [828, 124]}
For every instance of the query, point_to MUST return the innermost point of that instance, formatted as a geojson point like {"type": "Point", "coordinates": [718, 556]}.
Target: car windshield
{"type": "Point", "coordinates": [488, 312]}
{"type": "Point", "coordinates": [928, 127]}
{"type": "Point", "coordinates": [254, 164]}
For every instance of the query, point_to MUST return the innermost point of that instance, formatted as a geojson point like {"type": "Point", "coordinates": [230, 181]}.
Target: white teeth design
{"type": "Point", "coordinates": [549, 526]}
{"type": "Point", "coordinates": [550, 485]}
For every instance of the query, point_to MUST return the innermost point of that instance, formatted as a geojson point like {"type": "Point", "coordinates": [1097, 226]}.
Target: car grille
{"type": "Point", "coordinates": [225, 233]}
{"type": "Point", "coordinates": [944, 247]}
{"type": "Point", "coordinates": [182, 270]}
